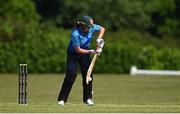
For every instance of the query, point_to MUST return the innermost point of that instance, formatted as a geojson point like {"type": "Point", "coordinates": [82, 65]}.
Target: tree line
{"type": "Point", "coordinates": [139, 32]}
{"type": "Point", "coordinates": [157, 17]}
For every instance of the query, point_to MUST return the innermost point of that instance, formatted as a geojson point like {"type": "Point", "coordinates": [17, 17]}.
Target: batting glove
{"type": "Point", "coordinates": [100, 42]}
{"type": "Point", "coordinates": [99, 51]}
{"type": "Point", "coordinates": [91, 51]}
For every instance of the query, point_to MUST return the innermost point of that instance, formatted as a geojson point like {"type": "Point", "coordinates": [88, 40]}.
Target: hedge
{"type": "Point", "coordinates": [46, 53]}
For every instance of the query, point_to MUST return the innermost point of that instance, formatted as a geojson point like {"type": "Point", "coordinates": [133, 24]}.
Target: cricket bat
{"type": "Point", "coordinates": [88, 76]}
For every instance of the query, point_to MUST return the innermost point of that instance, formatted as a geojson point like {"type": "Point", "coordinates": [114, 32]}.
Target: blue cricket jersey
{"type": "Point", "coordinates": [83, 41]}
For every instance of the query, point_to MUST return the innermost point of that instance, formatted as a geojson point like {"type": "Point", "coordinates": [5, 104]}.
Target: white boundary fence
{"type": "Point", "coordinates": [134, 71]}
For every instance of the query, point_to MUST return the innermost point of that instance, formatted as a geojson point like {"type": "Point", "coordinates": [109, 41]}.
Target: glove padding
{"type": "Point", "coordinates": [100, 42]}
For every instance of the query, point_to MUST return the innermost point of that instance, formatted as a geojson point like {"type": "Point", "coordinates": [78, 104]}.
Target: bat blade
{"type": "Point", "coordinates": [91, 66]}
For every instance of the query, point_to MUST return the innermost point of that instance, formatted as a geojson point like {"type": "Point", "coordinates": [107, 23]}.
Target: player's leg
{"type": "Point", "coordinates": [70, 77]}
{"type": "Point", "coordinates": [84, 62]}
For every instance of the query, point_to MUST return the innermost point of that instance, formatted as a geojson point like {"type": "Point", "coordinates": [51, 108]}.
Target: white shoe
{"type": "Point", "coordinates": [61, 103]}
{"type": "Point", "coordinates": [90, 102]}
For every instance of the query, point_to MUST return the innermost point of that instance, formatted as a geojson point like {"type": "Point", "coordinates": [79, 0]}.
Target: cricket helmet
{"type": "Point", "coordinates": [86, 21]}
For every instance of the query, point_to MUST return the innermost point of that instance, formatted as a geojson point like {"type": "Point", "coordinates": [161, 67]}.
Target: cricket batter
{"type": "Point", "coordinates": [79, 52]}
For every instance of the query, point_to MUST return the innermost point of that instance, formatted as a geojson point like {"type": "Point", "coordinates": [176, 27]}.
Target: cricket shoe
{"type": "Point", "coordinates": [61, 103]}
{"type": "Point", "coordinates": [89, 102]}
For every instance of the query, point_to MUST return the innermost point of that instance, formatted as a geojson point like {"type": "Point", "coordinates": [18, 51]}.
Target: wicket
{"type": "Point", "coordinates": [22, 90]}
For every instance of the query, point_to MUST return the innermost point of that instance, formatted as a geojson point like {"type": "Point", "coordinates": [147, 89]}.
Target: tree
{"type": "Point", "coordinates": [158, 17]}
{"type": "Point", "coordinates": [18, 19]}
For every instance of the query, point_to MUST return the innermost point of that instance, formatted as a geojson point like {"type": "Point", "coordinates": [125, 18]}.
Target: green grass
{"type": "Point", "coordinates": [112, 93]}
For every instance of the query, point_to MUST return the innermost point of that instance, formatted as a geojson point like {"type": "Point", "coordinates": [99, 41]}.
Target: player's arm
{"type": "Point", "coordinates": [79, 50]}
{"type": "Point", "coordinates": [100, 41]}
{"type": "Point", "coordinates": [101, 32]}
{"type": "Point", "coordinates": [100, 29]}
{"type": "Point", "coordinates": [76, 45]}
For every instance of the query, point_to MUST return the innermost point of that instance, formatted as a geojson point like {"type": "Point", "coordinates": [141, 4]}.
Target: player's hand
{"type": "Point", "coordinates": [98, 51]}
{"type": "Point", "coordinates": [91, 51]}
